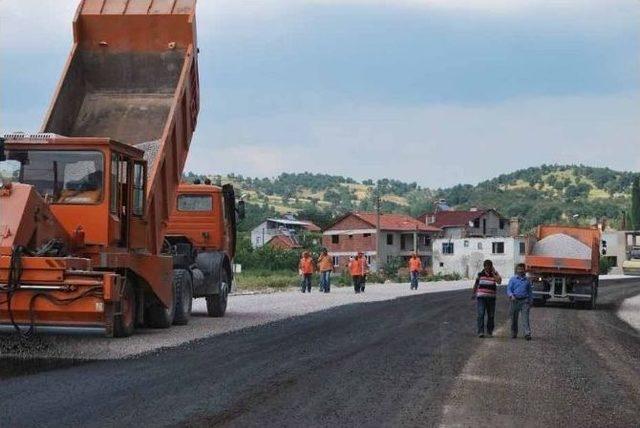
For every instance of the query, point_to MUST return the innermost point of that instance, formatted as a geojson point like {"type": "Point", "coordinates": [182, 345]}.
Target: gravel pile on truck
{"type": "Point", "coordinates": [564, 264]}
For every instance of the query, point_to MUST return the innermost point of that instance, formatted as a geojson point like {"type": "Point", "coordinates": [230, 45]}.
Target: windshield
{"type": "Point", "coordinates": [67, 177]}
{"type": "Point", "coordinates": [195, 203]}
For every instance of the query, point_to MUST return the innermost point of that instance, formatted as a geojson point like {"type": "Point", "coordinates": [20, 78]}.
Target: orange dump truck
{"type": "Point", "coordinates": [201, 237]}
{"type": "Point", "coordinates": [85, 204]}
{"type": "Point", "coordinates": [564, 263]}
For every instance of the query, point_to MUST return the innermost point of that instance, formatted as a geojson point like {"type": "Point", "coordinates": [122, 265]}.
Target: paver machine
{"type": "Point", "coordinates": [85, 203]}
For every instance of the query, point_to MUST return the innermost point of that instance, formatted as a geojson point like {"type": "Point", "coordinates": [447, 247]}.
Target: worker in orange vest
{"type": "Point", "coordinates": [355, 269]}
{"type": "Point", "coordinates": [415, 266]}
{"type": "Point", "coordinates": [364, 269]}
{"type": "Point", "coordinates": [306, 269]}
{"type": "Point", "coordinates": [325, 266]}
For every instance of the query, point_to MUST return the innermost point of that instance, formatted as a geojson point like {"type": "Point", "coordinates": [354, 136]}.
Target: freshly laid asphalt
{"type": "Point", "coordinates": [413, 361]}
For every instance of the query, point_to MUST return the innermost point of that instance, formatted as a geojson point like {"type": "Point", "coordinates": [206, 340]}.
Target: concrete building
{"type": "Point", "coordinates": [287, 227]}
{"type": "Point", "coordinates": [472, 223]}
{"type": "Point", "coordinates": [465, 256]}
{"type": "Point", "coordinates": [400, 236]}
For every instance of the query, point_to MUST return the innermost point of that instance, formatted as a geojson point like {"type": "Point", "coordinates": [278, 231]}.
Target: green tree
{"type": "Point", "coordinates": [635, 204]}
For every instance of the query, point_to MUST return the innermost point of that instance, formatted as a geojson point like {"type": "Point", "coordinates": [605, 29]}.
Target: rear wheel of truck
{"type": "Point", "coordinates": [217, 303]}
{"type": "Point", "coordinates": [124, 321]}
{"type": "Point", "coordinates": [184, 296]}
{"type": "Point", "coordinates": [160, 317]}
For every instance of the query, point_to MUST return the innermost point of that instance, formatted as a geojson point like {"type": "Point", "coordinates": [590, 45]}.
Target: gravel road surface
{"type": "Point", "coordinates": [243, 311]}
{"type": "Point", "coordinates": [411, 361]}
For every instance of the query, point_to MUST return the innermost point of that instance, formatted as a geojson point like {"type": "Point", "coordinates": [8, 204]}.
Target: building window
{"type": "Point", "coordinates": [502, 223]}
{"type": "Point", "coordinates": [447, 248]}
{"type": "Point", "coordinates": [479, 245]}
{"type": "Point", "coordinates": [403, 242]}
{"type": "Point", "coordinates": [389, 239]}
{"type": "Point", "coordinates": [441, 264]}
{"type": "Point", "coordinates": [427, 241]}
{"type": "Point", "coordinates": [466, 243]}
{"type": "Point", "coordinates": [497, 247]}
{"type": "Point", "coordinates": [476, 223]}
{"type": "Point", "coordinates": [523, 248]}
{"type": "Point", "coordinates": [335, 239]}
{"type": "Point", "coordinates": [368, 259]}
{"type": "Point", "coordinates": [336, 261]}
{"type": "Point", "coordinates": [366, 235]}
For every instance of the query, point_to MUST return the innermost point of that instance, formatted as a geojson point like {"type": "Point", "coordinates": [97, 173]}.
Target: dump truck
{"type": "Point", "coordinates": [85, 203]}
{"type": "Point", "coordinates": [631, 266]}
{"type": "Point", "coordinates": [563, 263]}
{"type": "Point", "coordinates": [201, 237]}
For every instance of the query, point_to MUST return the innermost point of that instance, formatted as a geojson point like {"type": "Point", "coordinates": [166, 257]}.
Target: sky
{"type": "Point", "coordinates": [434, 91]}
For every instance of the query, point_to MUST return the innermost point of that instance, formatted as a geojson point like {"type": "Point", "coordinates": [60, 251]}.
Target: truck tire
{"type": "Point", "coordinates": [160, 317]}
{"type": "Point", "coordinates": [184, 296]}
{"type": "Point", "coordinates": [124, 321]}
{"type": "Point", "coordinates": [217, 303]}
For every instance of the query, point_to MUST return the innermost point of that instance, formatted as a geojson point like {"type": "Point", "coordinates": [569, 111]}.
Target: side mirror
{"type": "Point", "coordinates": [241, 210]}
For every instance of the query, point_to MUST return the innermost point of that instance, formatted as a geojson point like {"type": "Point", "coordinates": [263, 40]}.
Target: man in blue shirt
{"type": "Point", "coordinates": [520, 292]}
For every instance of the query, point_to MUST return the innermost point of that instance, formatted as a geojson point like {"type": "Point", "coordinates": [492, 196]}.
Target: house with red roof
{"type": "Point", "coordinates": [457, 224]}
{"type": "Point", "coordinates": [400, 236]}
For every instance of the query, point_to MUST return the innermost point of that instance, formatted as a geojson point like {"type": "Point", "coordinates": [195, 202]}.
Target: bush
{"type": "Point", "coordinates": [606, 263]}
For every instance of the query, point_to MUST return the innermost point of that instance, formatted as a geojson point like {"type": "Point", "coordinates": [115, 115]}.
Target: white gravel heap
{"type": "Point", "coordinates": [562, 246]}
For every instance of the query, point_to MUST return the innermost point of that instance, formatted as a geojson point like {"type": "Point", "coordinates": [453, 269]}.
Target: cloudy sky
{"type": "Point", "coordinates": [433, 91]}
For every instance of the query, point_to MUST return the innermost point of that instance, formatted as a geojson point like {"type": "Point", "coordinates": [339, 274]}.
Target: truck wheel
{"type": "Point", "coordinates": [184, 296]}
{"type": "Point", "coordinates": [217, 303]}
{"type": "Point", "coordinates": [124, 322]}
{"type": "Point", "coordinates": [160, 317]}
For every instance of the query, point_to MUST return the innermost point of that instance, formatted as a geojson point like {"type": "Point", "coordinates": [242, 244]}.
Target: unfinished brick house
{"type": "Point", "coordinates": [400, 236]}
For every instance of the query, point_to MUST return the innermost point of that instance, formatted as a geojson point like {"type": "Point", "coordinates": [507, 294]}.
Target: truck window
{"type": "Point", "coordinates": [62, 176]}
{"type": "Point", "coordinates": [138, 189]}
{"type": "Point", "coordinates": [114, 184]}
{"type": "Point", "coordinates": [195, 203]}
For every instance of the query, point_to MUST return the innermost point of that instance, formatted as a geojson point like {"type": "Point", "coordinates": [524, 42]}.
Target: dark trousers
{"type": "Point", "coordinates": [486, 305]}
{"type": "Point", "coordinates": [325, 281]}
{"type": "Point", "coordinates": [357, 281]}
{"type": "Point", "coordinates": [363, 280]}
{"type": "Point", "coordinates": [306, 282]}
{"type": "Point", "coordinates": [414, 279]}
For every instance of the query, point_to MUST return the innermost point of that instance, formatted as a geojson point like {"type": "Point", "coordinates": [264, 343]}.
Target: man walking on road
{"type": "Point", "coordinates": [484, 291]}
{"type": "Point", "coordinates": [306, 270]}
{"type": "Point", "coordinates": [325, 265]}
{"type": "Point", "coordinates": [520, 292]}
{"type": "Point", "coordinates": [415, 265]}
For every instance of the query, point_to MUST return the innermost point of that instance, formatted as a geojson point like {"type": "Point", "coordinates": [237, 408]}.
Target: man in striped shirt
{"type": "Point", "coordinates": [484, 291]}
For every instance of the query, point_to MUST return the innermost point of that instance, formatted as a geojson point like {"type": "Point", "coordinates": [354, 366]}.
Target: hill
{"type": "Point", "coordinates": [549, 193]}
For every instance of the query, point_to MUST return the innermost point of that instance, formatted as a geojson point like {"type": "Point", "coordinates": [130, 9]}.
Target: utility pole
{"type": "Point", "coordinates": [380, 263]}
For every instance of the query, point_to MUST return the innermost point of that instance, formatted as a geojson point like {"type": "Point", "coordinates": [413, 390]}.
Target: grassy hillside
{"type": "Point", "coordinates": [537, 195]}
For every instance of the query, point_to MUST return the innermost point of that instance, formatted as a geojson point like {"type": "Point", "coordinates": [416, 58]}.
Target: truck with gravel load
{"type": "Point", "coordinates": [85, 204]}
{"type": "Point", "coordinates": [563, 263]}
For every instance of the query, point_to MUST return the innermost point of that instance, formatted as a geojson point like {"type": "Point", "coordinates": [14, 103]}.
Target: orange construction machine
{"type": "Point", "coordinates": [201, 237]}
{"type": "Point", "coordinates": [85, 204]}
{"type": "Point", "coordinates": [563, 263]}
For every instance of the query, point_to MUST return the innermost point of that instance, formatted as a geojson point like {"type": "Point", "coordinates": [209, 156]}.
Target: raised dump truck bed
{"type": "Point", "coordinates": [132, 77]}
{"type": "Point", "coordinates": [564, 264]}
